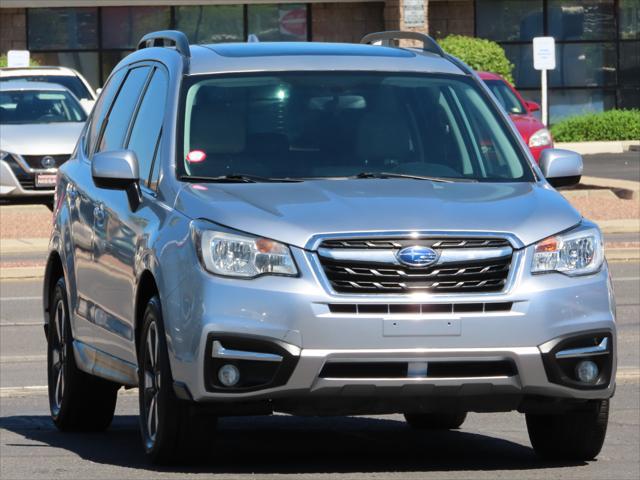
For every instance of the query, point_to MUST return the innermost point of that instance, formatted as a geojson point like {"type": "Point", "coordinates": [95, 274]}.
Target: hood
{"type": "Point", "coordinates": [41, 138]}
{"type": "Point", "coordinates": [294, 212]}
{"type": "Point", "coordinates": [527, 125]}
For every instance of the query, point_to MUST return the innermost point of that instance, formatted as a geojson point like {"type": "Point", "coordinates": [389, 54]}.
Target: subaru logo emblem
{"type": "Point", "coordinates": [417, 256]}
{"type": "Point", "coordinates": [48, 162]}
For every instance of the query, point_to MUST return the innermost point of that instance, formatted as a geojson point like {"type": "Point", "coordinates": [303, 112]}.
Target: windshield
{"type": "Point", "coordinates": [506, 97]}
{"type": "Point", "coordinates": [39, 106]}
{"type": "Point", "coordinates": [341, 124]}
{"type": "Point", "coordinates": [74, 84]}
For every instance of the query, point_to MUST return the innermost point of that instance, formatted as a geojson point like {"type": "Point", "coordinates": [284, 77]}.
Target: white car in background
{"type": "Point", "coordinates": [39, 126]}
{"type": "Point", "coordinates": [67, 77]}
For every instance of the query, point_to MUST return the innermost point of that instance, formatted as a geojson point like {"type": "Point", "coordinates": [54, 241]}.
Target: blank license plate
{"type": "Point", "coordinates": [46, 180]}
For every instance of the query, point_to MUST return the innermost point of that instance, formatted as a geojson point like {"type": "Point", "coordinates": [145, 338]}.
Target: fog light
{"type": "Point", "coordinates": [228, 375]}
{"type": "Point", "coordinates": [587, 371]}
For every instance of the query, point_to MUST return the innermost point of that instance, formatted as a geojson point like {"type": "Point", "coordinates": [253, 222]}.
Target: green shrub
{"type": "Point", "coordinates": [603, 126]}
{"type": "Point", "coordinates": [3, 61]}
{"type": "Point", "coordinates": [479, 54]}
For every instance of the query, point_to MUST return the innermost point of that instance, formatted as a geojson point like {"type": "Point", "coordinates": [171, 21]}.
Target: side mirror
{"type": "Point", "coordinates": [118, 170]}
{"type": "Point", "coordinates": [532, 106]}
{"type": "Point", "coordinates": [561, 168]}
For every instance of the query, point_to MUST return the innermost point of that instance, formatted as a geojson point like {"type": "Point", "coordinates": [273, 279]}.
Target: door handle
{"type": "Point", "coordinates": [98, 215]}
{"type": "Point", "coordinates": [71, 191]}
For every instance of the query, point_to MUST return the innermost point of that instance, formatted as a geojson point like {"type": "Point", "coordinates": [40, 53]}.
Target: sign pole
{"type": "Point", "coordinates": [544, 59]}
{"type": "Point", "coordinates": [545, 103]}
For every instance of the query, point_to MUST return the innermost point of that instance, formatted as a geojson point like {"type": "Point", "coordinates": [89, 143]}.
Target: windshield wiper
{"type": "Point", "coordinates": [238, 178]}
{"type": "Point", "coordinates": [403, 175]}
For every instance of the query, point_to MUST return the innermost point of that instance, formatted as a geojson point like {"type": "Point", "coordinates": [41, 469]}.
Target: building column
{"type": "Point", "coordinates": [13, 32]}
{"type": "Point", "coordinates": [407, 15]}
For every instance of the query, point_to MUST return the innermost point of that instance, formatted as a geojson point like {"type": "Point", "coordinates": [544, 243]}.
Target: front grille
{"type": "Point", "coordinates": [471, 276]}
{"type": "Point", "coordinates": [35, 161]}
{"type": "Point", "coordinates": [436, 369]}
{"type": "Point", "coordinates": [417, 309]}
{"type": "Point", "coordinates": [386, 243]}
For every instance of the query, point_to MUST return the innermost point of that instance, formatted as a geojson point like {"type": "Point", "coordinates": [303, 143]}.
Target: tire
{"type": "Point", "coordinates": [78, 401]}
{"type": "Point", "coordinates": [435, 421]}
{"type": "Point", "coordinates": [575, 435]}
{"type": "Point", "coordinates": [173, 431]}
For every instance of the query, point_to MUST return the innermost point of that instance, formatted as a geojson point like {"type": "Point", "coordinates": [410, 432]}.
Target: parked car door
{"type": "Point", "coordinates": [81, 211]}
{"type": "Point", "coordinates": [121, 228]}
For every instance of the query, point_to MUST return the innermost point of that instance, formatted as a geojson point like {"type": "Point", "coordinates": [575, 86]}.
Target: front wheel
{"type": "Point", "coordinates": [78, 401]}
{"type": "Point", "coordinates": [575, 435]}
{"type": "Point", "coordinates": [172, 430]}
{"type": "Point", "coordinates": [435, 421]}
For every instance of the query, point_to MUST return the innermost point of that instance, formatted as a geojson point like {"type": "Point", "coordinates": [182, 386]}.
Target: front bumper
{"type": "Point", "coordinates": [11, 187]}
{"type": "Point", "coordinates": [298, 313]}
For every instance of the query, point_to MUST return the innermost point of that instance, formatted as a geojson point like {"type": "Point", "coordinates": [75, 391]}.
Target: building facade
{"type": "Point", "coordinates": [598, 41]}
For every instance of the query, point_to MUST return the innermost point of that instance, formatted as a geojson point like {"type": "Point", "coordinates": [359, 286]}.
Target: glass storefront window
{"type": "Point", "coordinates": [629, 19]}
{"type": "Point", "coordinates": [581, 19]}
{"type": "Point", "coordinates": [509, 20]}
{"type": "Point", "coordinates": [584, 65]}
{"type": "Point", "coordinates": [630, 63]}
{"type": "Point", "coordinates": [84, 62]}
{"type": "Point", "coordinates": [568, 103]}
{"type": "Point", "coordinates": [521, 56]}
{"type": "Point", "coordinates": [109, 60]}
{"type": "Point", "coordinates": [211, 24]}
{"type": "Point", "coordinates": [286, 22]}
{"type": "Point", "coordinates": [123, 27]}
{"type": "Point", "coordinates": [629, 98]}
{"type": "Point", "coordinates": [63, 28]}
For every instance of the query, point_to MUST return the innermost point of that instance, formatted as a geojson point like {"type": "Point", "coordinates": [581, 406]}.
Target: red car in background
{"type": "Point", "coordinates": [535, 134]}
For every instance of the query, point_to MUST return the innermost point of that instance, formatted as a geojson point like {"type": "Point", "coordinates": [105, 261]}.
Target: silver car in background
{"type": "Point", "coordinates": [321, 229]}
{"type": "Point", "coordinates": [65, 76]}
{"type": "Point", "coordinates": [39, 127]}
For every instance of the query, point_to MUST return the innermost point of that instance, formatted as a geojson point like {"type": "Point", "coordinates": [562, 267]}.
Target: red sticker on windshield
{"type": "Point", "coordinates": [196, 156]}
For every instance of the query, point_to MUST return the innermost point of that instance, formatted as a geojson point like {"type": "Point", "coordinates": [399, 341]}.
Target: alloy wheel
{"type": "Point", "coordinates": [59, 351]}
{"type": "Point", "coordinates": [151, 394]}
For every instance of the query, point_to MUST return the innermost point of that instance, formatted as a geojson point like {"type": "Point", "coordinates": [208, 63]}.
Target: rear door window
{"type": "Point", "coordinates": [148, 123]}
{"type": "Point", "coordinates": [117, 123]}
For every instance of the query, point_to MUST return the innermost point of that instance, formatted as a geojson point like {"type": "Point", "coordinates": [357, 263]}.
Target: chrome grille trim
{"type": "Point", "coordinates": [389, 256]}
{"type": "Point", "coordinates": [376, 271]}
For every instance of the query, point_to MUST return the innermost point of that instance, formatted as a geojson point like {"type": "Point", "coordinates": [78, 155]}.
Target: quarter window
{"type": "Point", "coordinates": [148, 123]}
{"type": "Point", "coordinates": [122, 110]}
{"type": "Point", "coordinates": [101, 108]}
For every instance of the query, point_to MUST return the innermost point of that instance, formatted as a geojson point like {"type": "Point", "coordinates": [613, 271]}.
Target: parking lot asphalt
{"type": "Point", "coordinates": [621, 166]}
{"type": "Point", "coordinates": [282, 446]}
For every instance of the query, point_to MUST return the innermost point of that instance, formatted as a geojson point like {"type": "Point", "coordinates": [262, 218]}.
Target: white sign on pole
{"type": "Point", "coordinates": [544, 58]}
{"type": "Point", "coordinates": [544, 53]}
{"type": "Point", "coordinates": [413, 13]}
{"type": "Point", "coordinates": [18, 58]}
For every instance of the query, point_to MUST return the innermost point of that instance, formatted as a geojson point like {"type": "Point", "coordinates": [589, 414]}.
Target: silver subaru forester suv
{"type": "Point", "coordinates": [320, 229]}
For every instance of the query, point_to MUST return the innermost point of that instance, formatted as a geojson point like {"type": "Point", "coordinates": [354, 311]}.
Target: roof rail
{"type": "Point", "coordinates": [161, 38]}
{"type": "Point", "coordinates": [387, 38]}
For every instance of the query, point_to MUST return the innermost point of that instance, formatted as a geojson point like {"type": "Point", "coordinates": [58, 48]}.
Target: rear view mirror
{"type": "Point", "coordinates": [532, 106]}
{"type": "Point", "coordinates": [561, 168]}
{"type": "Point", "coordinates": [118, 170]}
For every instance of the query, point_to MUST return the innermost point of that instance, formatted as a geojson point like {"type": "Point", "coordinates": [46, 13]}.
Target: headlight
{"type": "Point", "coordinates": [578, 252]}
{"type": "Point", "coordinates": [235, 254]}
{"type": "Point", "coordinates": [541, 138]}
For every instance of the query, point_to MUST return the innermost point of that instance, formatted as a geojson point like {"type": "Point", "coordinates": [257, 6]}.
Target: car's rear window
{"type": "Point", "coordinates": [74, 84]}
{"type": "Point", "coordinates": [19, 107]}
{"type": "Point", "coordinates": [506, 97]}
{"type": "Point", "coordinates": [340, 124]}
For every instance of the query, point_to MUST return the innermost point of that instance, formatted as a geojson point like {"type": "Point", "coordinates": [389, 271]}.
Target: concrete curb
{"type": "Point", "coordinates": [625, 189]}
{"type": "Point", "coordinates": [23, 245]}
{"type": "Point", "coordinates": [591, 148]}
{"type": "Point", "coordinates": [18, 273]}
